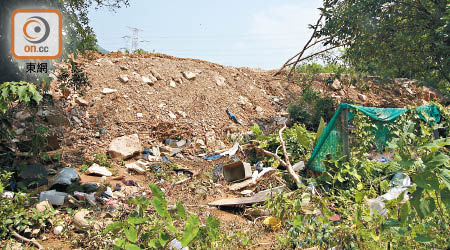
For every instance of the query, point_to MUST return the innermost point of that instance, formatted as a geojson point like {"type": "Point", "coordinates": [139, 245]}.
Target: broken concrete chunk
{"type": "Point", "coordinates": [81, 101]}
{"type": "Point", "coordinates": [123, 67]}
{"type": "Point", "coordinates": [172, 115]}
{"type": "Point", "coordinates": [79, 219]}
{"type": "Point", "coordinates": [336, 84]}
{"type": "Point", "coordinates": [123, 78]}
{"type": "Point", "coordinates": [43, 205]}
{"type": "Point", "coordinates": [96, 169]}
{"type": "Point", "coordinates": [189, 75]}
{"type": "Point", "coordinates": [125, 146]}
{"type": "Point", "coordinates": [210, 138]}
{"type": "Point", "coordinates": [134, 167]}
{"type": "Point", "coordinates": [237, 171]}
{"type": "Point", "coordinates": [172, 84]}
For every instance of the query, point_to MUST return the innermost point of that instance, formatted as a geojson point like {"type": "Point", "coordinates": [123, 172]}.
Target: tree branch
{"type": "Point", "coordinates": [289, 166]}
{"type": "Point", "coordinates": [20, 237]}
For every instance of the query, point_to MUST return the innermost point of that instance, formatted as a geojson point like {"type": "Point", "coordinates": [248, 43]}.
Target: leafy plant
{"type": "Point", "coordinates": [22, 91]}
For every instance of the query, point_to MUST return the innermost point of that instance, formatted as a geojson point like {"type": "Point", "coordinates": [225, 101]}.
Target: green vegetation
{"type": "Point", "coordinates": [388, 38]}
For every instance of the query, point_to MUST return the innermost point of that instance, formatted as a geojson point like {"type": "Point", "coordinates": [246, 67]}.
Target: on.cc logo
{"type": "Point", "coordinates": [36, 34]}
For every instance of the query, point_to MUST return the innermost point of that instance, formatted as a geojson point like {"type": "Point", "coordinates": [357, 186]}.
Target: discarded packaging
{"type": "Point", "coordinates": [237, 171]}
{"type": "Point", "coordinates": [232, 116]}
{"type": "Point", "coordinates": [299, 166]}
{"type": "Point", "coordinates": [232, 151]}
{"type": "Point", "coordinates": [176, 245]}
{"type": "Point", "coordinates": [64, 178]}
{"type": "Point", "coordinates": [54, 197]}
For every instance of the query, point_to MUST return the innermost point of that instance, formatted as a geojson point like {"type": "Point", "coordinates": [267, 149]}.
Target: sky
{"type": "Point", "coordinates": [251, 33]}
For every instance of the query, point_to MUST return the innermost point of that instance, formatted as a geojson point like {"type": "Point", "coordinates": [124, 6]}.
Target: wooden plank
{"type": "Point", "coordinates": [257, 198]}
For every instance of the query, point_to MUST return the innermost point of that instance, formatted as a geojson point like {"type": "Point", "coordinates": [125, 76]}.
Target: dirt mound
{"type": "Point", "coordinates": [159, 97]}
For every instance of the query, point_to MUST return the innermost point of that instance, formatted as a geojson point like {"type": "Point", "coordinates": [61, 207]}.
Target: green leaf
{"type": "Point", "coordinates": [404, 212]}
{"type": "Point", "coordinates": [154, 243]}
{"type": "Point", "coordinates": [113, 227]}
{"type": "Point", "coordinates": [427, 180]}
{"type": "Point", "coordinates": [444, 175]}
{"type": "Point", "coordinates": [172, 228]}
{"type": "Point", "coordinates": [320, 129]}
{"type": "Point", "coordinates": [157, 192]}
{"type": "Point", "coordinates": [426, 207]}
{"type": "Point", "coordinates": [212, 227]}
{"type": "Point", "coordinates": [445, 197]}
{"type": "Point", "coordinates": [161, 208]}
{"type": "Point", "coordinates": [190, 231]}
{"type": "Point", "coordinates": [436, 161]}
{"type": "Point", "coordinates": [22, 92]}
{"type": "Point", "coordinates": [119, 242]}
{"type": "Point", "coordinates": [181, 211]}
{"type": "Point", "coordinates": [131, 234]}
{"type": "Point", "coordinates": [164, 237]}
{"type": "Point", "coordinates": [359, 196]}
{"type": "Point", "coordinates": [137, 220]}
{"type": "Point", "coordinates": [423, 238]}
{"type": "Point", "coordinates": [129, 246]}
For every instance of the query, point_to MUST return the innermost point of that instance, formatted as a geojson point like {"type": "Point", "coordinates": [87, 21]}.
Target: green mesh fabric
{"type": "Point", "coordinates": [330, 142]}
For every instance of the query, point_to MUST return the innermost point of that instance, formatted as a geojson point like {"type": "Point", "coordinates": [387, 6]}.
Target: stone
{"type": "Point", "coordinates": [57, 120]}
{"type": "Point", "coordinates": [139, 115]}
{"type": "Point", "coordinates": [189, 75]}
{"type": "Point", "coordinates": [76, 119]}
{"type": "Point", "coordinates": [259, 110]}
{"type": "Point", "coordinates": [409, 91]}
{"type": "Point", "coordinates": [298, 166]}
{"type": "Point", "coordinates": [220, 80]}
{"type": "Point", "coordinates": [150, 80]}
{"type": "Point", "coordinates": [336, 85]}
{"type": "Point", "coordinates": [183, 114]}
{"type": "Point", "coordinates": [244, 101]}
{"type": "Point", "coordinates": [172, 115]}
{"type": "Point", "coordinates": [98, 170]}
{"type": "Point", "coordinates": [81, 102]}
{"type": "Point", "coordinates": [22, 115]}
{"type": "Point", "coordinates": [19, 131]}
{"type": "Point", "coordinates": [79, 219]}
{"type": "Point", "coordinates": [125, 146]}
{"type": "Point", "coordinates": [201, 190]}
{"type": "Point", "coordinates": [43, 205]}
{"type": "Point", "coordinates": [172, 84]}
{"type": "Point", "coordinates": [123, 78]}
{"type": "Point", "coordinates": [134, 167]}
{"type": "Point", "coordinates": [123, 67]}
{"type": "Point", "coordinates": [156, 74]}
{"type": "Point", "coordinates": [362, 97]}
{"type": "Point", "coordinates": [210, 137]}
{"type": "Point", "coordinates": [108, 91]}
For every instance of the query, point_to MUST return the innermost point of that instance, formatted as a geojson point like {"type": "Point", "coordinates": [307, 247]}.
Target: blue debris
{"type": "Point", "coordinates": [232, 116]}
{"type": "Point", "coordinates": [156, 168]}
{"type": "Point", "coordinates": [146, 153]}
{"type": "Point", "coordinates": [212, 157]}
{"type": "Point", "coordinates": [382, 160]}
{"type": "Point", "coordinates": [165, 159]}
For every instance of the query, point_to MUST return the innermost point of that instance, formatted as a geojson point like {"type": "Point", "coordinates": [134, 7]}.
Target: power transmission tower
{"type": "Point", "coordinates": [135, 38]}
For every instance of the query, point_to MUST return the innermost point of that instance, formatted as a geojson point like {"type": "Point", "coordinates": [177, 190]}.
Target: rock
{"type": "Point", "coordinates": [210, 138]}
{"type": "Point", "coordinates": [189, 75]}
{"type": "Point", "coordinates": [19, 131]}
{"type": "Point", "coordinates": [134, 167]}
{"type": "Point", "coordinates": [57, 120]}
{"type": "Point", "coordinates": [96, 169]}
{"type": "Point", "coordinates": [81, 101]}
{"type": "Point", "coordinates": [184, 115]}
{"type": "Point", "coordinates": [123, 67]}
{"type": "Point", "coordinates": [108, 91]}
{"type": "Point", "coordinates": [172, 115]}
{"type": "Point", "coordinates": [299, 166]}
{"type": "Point", "coordinates": [201, 190]}
{"type": "Point", "coordinates": [220, 80]}
{"type": "Point", "coordinates": [409, 91]}
{"type": "Point", "coordinates": [58, 230]}
{"type": "Point", "coordinates": [259, 110]}
{"type": "Point", "coordinates": [123, 78]}
{"type": "Point", "coordinates": [220, 145]}
{"type": "Point", "coordinates": [76, 119]}
{"type": "Point", "coordinates": [156, 74]}
{"type": "Point", "coordinates": [139, 115]}
{"type": "Point", "coordinates": [22, 115]}
{"type": "Point", "coordinates": [336, 85]}
{"type": "Point", "coordinates": [150, 80]}
{"type": "Point", "coordinates": [362, 97]}
{"type": "Point", "coordinates": [244, 101]}
{"type": "Point", "coordinates": [172, 84]}
{"type": "Point", "coordinates": [79, 219]}
{"type": "Point", "coordinates": [43, 205]}
{"type": "Point", "coordinates": [34, 174]}
{"type": "Point", "coordinates": [125, 146]}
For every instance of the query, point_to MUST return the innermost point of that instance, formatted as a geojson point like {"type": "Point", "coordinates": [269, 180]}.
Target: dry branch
{"type": "Point", "coordinates": [20, 237]}
{"type": "Point", "coordinates": [289, 166]}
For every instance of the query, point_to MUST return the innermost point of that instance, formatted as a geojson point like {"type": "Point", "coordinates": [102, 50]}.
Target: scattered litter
{"type": "Point", "coordinates": [118, 187]}
{"type": "Point", "coordinates": [232, 116]}
{"type": "Point", "coordinates": [129, 182]}
{"type": "Point", "coordinates": [134, 167]}
{"type": "Point", "coordinates": [54, 197]}
{"type": "Point", "coordinates": [65, 178]}
{"type": "Point", "coordinates": [58, 230]}
{"type": "Point", "coordinates": [176, 245]}
{"type": "Point", "coordinates": [232, 150]}
{"type": "Point", "coordinates": [184, 171]}
{"type": "Point", "coordinates": [212, 157]}
{"type": "Point", "coordinates": [217, 173]}
{"type": "Point", "coordinates": [8, 195]}
{"type": "Point", "coordinates": [246, 192]}
{"type": "Point", "coordinates": [273, 222]}
{"type": "Point", "coordinates": [108, 91]}
{"type": "Point", "coordinates": [299, 166]}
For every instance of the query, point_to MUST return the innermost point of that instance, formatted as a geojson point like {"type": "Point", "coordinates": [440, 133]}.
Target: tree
{"type": "Point", "coordinates": [78, 34]}
{"type": "Point", "coordinates": [408, 38]}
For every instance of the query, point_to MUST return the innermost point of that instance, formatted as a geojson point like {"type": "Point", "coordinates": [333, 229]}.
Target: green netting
{"type": "Point", "coordinates": [331, 140]}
